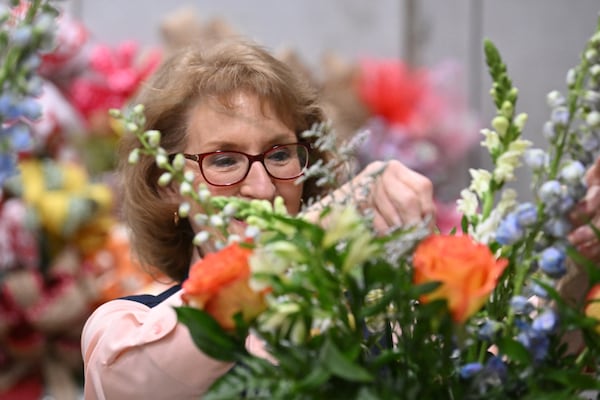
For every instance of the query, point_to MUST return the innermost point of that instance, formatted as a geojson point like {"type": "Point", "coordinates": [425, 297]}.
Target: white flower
{"type": "Point", "coordinates": [162, 160]}
{"type": "Point", "coordinates": [480, 181]}
{"type": "Point", "coordinates": [134, 156]}
{"type": "Point", "coordinates": [511, 159]}
{"type": "Point", "coordinates": [153, 138]}
{"type": "Point", "coordinates": [185, 188]}
{"type": "Point", "coordinates": [200, 238]}
{"type": "Point", "coordinates": [165, 179]}
{"type": "Point", "coordinates": [500, 124]}
{"type": "Point", "coordinates": [189, 176]}
{"type": "Point", "coordinates": [468, 203]}
{"type": "Point", "coordinates": [520, 121]}
{"type": "Point", "coordinates": [178, 162]}
{"type": "Point", "coordinates": [216, 221]}
{"type": "Point", "coordinates": [203, 193]}
{"type": "Point", "coordinates": [491, 141]}
{"type": "Point", "coordinates": [343, 221]}
{"type": "Point", "coordinates": [184, 209]}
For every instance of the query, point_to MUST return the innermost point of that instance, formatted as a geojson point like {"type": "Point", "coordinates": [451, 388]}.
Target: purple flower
{"type": "Point", "coordinates": [9, 108]}
{"type": "Point", "coordinates": [467, 371]}
{"type": "Point", "coordinates": [573, 172]}
{"type": "Point", "coordinates": [551, 193]}
{"type": "Point", "coordinates": [553, 262]}
{"type": "Point", "coordinates": [546, 322]}
{"type": "Point", "coordinates": [536, 159]}
{"type": "Point", "coordinates": [488, 330]}
{"type": "Point", "coordinates": [521, 305]}
{"type": "Point", "coordinates": [560, 116]}
{"type": "Point", "coordinates": [19, 136]}
{"type": "Point", "coordinates": [557, 227]}
{"type": "Point", "coordinates": [549, 131]}
{"type": "Point", "coordinates": [21, 36]}
{"type": "Point", "coordinates": [7, 167]}
{"type": "Point", "coordinates": [509, 231]}
{"type": "Point", "coordinates": [30, 109]}
{"type": "Point", "coordinates": [537, 343]}
{"type": "Point", "coordinates": [526, 214]}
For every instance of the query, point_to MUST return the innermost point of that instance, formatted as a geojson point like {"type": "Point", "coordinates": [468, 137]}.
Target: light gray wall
{"type": "Point", "coordinates": [539, 39]}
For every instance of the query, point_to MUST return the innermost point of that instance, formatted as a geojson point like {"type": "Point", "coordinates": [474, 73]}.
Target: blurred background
{"type": "Point", "coordinates": [411, 72]}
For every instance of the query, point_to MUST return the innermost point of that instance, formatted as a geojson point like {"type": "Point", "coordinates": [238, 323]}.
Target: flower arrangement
{"type": "Point", "coordinates": [343, 313]}
{"type": "Point", "coordinates": [62, 251]}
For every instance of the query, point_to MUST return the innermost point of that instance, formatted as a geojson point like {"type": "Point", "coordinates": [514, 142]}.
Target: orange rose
{"type": "Point", "coordinates": [592, 307]}
{"type": "Point", "coordinates": [468, 272]}
{"type": "Point", "coordinates": [218, 284]}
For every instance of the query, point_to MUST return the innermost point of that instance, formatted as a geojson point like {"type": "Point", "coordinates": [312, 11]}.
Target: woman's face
{"type": "Point", "coordinates": [246, 128]}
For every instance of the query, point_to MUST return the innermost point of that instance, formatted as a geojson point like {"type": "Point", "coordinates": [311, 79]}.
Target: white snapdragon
{"type": "Point", "coordinates": [480, 181]}
{"type": "Point", "coordinates": [468, 203]}
{"type": "Point", "coordinates": [509, 160]}
{"type": "Point", "coordinates": [500, 124]}
{"type": "Point", "coordinates": [520, 121]}
{"type": "Point", "coordinates": [491, 141]}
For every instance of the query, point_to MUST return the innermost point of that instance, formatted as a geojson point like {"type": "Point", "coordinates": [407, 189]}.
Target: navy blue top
{"type": "Point", "coordinates": [151, 300]}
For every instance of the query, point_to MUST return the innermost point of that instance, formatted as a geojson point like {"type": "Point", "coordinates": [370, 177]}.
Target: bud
{"type": "Point", "coordinates": [184, 209]}
{"type": "Point", "coordinates": [507, 109]}
{"type": "Point", "coordinates": [165, 179]}
{"type": "Point", "coordinates": [520, 121]}
{"type": "Point", "coordinates": [153, 137]}
{"type": "Point", "coordinates": [178, 162]}
{"type": "Point", "coordinates": [593, 119]}
{"type": "Point", "coordinates": [162, 160]}
{"type": "Point", "coordinates": [500, 124]}
{"type": "Point", "coordinates": [138, 108]}
{"type": "Point", "coordinates": [200, 238]}
{"type": "Point", "coordinates": [134, 156]}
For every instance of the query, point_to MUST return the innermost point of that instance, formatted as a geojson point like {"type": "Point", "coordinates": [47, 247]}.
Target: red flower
{"type": "Point", "coordinates": [468, 272]}
{"type": "Point", "coordinates": [218, 284]}
{"type": "Point", "coordinates": [391, 90]}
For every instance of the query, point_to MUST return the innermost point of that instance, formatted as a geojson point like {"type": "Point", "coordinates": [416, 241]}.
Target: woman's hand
{"type": "Point", "coordinates": [397, 195]}
{"type": "Point", "coordinates": [582, 237]}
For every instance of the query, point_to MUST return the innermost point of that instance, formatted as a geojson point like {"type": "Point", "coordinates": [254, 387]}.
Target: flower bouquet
{"type": "Point", "coordinates": [347, 314]}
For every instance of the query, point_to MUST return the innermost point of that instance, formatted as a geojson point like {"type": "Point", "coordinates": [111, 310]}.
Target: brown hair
{"type": "Point", "coordinates": [186, 77]}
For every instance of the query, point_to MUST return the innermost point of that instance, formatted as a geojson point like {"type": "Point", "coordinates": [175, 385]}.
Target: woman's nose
{"type": "Point", "coordinates": [258, 184]}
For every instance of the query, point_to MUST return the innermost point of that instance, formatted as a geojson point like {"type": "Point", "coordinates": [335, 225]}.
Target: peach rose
{"type": "Point", "coordinates": [468, 272]}
{"type": "Point", "coordinates": [218, 284]}
{"type": "Point", "coordinates": [592, 307]}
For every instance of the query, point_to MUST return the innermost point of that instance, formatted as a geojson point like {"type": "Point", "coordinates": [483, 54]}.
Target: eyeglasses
{"type": "Point", "coordinates": [226, 168]}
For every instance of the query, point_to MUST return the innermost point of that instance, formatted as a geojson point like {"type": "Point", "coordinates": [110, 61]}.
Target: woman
{"type": "Point", "coordinates": [237, 98]}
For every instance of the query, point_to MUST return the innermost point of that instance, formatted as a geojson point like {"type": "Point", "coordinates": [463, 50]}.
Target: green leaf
{"type": "Point", "coordinates": [208, 335]}
{"type": "Point", "coordinates": [514, 350]}
{"type": "Point", "coordinates": [338, 364]}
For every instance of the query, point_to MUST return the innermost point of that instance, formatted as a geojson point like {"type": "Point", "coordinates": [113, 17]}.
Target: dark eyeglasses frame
{"type": "Point", "coordinates": [251, 159]}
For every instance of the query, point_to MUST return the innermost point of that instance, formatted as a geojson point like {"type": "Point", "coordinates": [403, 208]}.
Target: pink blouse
{"type": "Point", "coordinates": [132, 351]}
